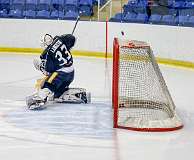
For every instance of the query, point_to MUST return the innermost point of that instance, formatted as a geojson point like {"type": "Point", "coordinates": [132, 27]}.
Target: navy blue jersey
{"type": "Point", "coordinates": [57, 55]}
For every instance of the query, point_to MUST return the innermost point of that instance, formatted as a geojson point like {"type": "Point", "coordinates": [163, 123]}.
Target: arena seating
{"type": "Point", "coordinates": [71, 15]}
{"type": "Point", "coordinates": [30, 9]}
{"type": "Point", "coordinates": [155, 18]}
{"type": "Point", "coordinates": [17, 8]}
{"type": "Point", "coordinates": [190, 22]}
{"type": "Point", "coordinates": [57, 5]}
{"type": "Point", "coordinates": [173, 12]}
{"type": "Point", "coordinates": [43, 9]}
{"type": "Point", "coordinates": [129, 17]}
{"type": "Point", "coordinates": [4, 8]}
{"type": "Point", "coordinates": [46, 9]}
{"type": "Point", "coordinates": [85, 7]}
{"type": "Point", "coordinates": [168, 19]}
{"type": "Point", "coordinates": [118, 17]}
{"type": "Point", "coordinates": [181, 20]}
{"type": "Point", "coordinates": [165, 12]}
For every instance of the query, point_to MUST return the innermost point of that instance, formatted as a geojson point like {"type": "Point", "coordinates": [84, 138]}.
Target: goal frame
{"type": "Point", "coordinates": [115, 94]}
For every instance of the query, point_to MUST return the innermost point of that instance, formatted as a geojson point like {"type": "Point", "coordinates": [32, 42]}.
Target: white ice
{"type": "Point", "coordinates": [85, 132]}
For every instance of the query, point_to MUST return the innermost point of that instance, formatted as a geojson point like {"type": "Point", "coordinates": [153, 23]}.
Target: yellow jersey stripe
{"type": "Point", "coordinates": [52, 77]}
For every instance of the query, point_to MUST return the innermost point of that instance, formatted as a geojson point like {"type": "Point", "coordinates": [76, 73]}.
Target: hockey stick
{"type": "Point", "coordinates": [78, 18]}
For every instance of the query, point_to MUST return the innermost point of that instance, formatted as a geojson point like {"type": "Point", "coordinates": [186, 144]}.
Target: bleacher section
{"type": "Point", "coordinates": [167, 12]}
{"type": "Point", "coordinates": [47, 9]}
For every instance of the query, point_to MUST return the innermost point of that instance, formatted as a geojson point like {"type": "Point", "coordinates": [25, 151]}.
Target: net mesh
{"type": "Point", "coordinates": [144, 100]}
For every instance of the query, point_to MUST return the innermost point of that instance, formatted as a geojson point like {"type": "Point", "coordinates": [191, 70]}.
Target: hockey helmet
{"type": "Point", "coordinates": [68, 40]}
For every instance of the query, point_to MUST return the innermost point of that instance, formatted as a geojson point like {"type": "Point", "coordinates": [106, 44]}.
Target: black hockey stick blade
{"type": "Point", "coordinates": [78, 18]}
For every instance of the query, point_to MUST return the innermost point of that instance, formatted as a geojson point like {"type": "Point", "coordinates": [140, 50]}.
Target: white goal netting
{"type": "Point", "coordinates": [144, 102]}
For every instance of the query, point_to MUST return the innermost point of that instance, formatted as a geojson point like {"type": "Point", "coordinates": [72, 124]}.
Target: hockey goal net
{"type": "Point", "coordinates": [141, 100]}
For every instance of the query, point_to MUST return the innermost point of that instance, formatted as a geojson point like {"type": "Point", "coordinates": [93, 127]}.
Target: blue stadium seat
{"type": "Point", "coordinates": [71, 15]}
{"type": "Point", "coordinates": [155, 19]}
{"type": "Point", "coordinates": [135, 6]}
{"type": "Point", "coordinates": [43, 5]}
{"type": "Point", "coordinates": [4, 13]}
{"type": "Point", "coordinates": [181, 20]}
{"type": "Point", "coordinates": [17, 8]}
{"type": "Point", "coordinates": [86, 7]}
{"type": "Point", "coordinates": [118, 17]}
{"type": "Point", "coordinates": [30, 8]}
{"type": "Point", "coordinates": [55, 14]}
{"type": "Point", "coordinates": [173, 11]}
{"type": "Point", "coordinates": [130, 17]}
{"type": "Point", "coordinates": [178, 4]}
{"type": "Point", "coordinates": [43, 14]}
{"type": "Point", "coordinates": [4, 8]}
{"type": "Point", "coordinates": [71, 6]}
{"type": "Point", "coordinates": [5, 4]}
{"type": "Point", "coordinates": [61, 15]}
{"type": "Point", "coordinates": [16, 13]}
{"type": "Point", "coordinates": [190, 22]}
{"type": "Point", "coordinates": [43, 9]}
{"type": "Point", "coordinates": [57, 9]}
{"type": "Point", "coordinates": [168, 20]}
{"type": "Point", "coordinates": [57, 5]}
{"type": "Point", "coordinates": [141, 18]}
{"type": "Point", "coordinates": [187, 12]}
{"type": "Point", "coordinates": [31, 5]}
{"type": "Point", "coordinates": [29, 14]}
{"type": "Point", "coordinates": [86, 2]}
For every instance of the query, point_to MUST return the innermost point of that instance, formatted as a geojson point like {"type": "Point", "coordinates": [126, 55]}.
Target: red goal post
{"type": "Point", "coordinates": [140, 97]}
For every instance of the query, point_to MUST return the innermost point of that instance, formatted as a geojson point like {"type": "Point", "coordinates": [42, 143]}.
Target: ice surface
{"type": "Point", "coordinates": [71, 132]}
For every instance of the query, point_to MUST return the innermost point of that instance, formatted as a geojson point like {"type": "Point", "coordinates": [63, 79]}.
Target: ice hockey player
{"type": "Point", "coordinates": [56, 62]}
